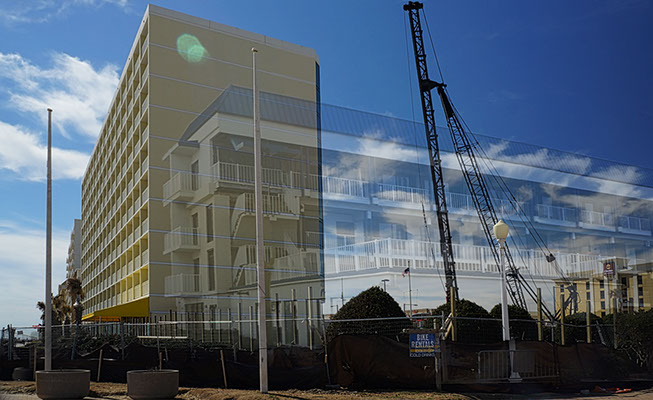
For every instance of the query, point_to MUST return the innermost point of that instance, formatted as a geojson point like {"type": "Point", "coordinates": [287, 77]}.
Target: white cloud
{"type": "Point", "coordinates": [22, 262]}
{"type": "Point", "coordinates": [23, 153]}
{"type": "Point", "coordinates": [40, 11]}
{"type": "Point", "coordinates": [78, 93]}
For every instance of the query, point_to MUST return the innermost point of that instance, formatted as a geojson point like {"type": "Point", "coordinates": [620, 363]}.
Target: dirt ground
{"type": "Point", "coordinates": [118, 391]}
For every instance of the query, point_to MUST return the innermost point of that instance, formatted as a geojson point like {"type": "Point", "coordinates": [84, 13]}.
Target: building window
{"type": "Point", "coordinates": [624, 281]}
{"type": "Point", "coordinates": [603, 305]}
{"type": "Point", "coordinates": [211, 266]}
{"type": "Point", "coordinates": [209, 223]}
{"type": "Point", "coordinates": [641, 303]}
{"type": "Point", "coordinates": [587, 285]}
{"type": "Point", "coordinates": [195, 219]}
{"type": "Point", "coordinates": [588, 296]}
{"type": "Point", "coordinates": [639, 279]}
{"type": "Point", "coordinates": [196, 272]}
{"type": "Point", "coordinates": [602, 295]}
{"type": "Point", "coordinates": [601, 284]}
{"type": "Point", "coordinates": [602, 314]}
{"type": "Point", "coordinates": [640, 291]}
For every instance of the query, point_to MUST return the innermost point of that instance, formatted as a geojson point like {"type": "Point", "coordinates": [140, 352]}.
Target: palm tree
{"type": "Point", "coordinates": [73, 291]}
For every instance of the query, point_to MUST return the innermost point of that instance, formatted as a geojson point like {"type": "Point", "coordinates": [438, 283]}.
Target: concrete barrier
{"type": "Point", "coordinates": [63, 384]}
{"type": "Point", "coordinates": [152, 384]}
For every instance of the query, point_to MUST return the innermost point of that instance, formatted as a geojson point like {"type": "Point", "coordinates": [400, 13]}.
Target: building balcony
{"type": "Point", "coordinates": [181, 239]}
{"type": "Point", "coordinates": [182, 284]}
{"type": "Point", "coordinates": [343, 188]}
{"type": "Point", "coordinates": [597, 220]}
{"type": "Point", "coordinates": [635, 225]}
{"type": "Point", "coordinates": [402, 194]}
{"type": "Point", "coordinates": [426, 257]}
{"type": "Point", "coordinates": [180, 187]}
{"type": "Point", "coordinates": [555, 215]}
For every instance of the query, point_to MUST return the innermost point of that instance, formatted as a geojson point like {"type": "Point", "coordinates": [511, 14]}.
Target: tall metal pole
{"type": "Point", "coordinates": [505, 322]}
{"type": "Point", "coordinates": [410, 295]}
{"type": "Point", "coordinates": [48, 254]}
{"type": "Point", "coordinates": [260, 250]}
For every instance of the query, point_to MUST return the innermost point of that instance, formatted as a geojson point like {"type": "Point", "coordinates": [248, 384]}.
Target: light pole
{"type": "Point", "coordinates": [384, 282]}
{"type": "Point", "coordinates": [260, 250]}
{"type": "Point", "coordinates": [48, 253]}
{"type": "Point", "coordinates": [501, 230]}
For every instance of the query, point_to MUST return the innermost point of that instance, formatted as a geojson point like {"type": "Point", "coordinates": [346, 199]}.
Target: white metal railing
{"type": "Point", "coordinates": [597, 218]}
{"type": "Point", "coordinates": [635, 223]}
{"type": "Point", "coordinates": [405, 194]}
{"type": "Point", "coordinates": [386, 253]}
{"type": "Point", "coordinates": [245, 173]}
{"type": "Point", "coordinates": [274, 203]}
{"type": "Point", "coordinates": [344, 186]}
{"type": "Point", "coordinates": [459, 201]}
{"type": "Point", "coordinates": [181, 238]}
{"type": "Point", "coordinates": [555, 213]}
{"type": "Point", "coordinates": [182, 283]}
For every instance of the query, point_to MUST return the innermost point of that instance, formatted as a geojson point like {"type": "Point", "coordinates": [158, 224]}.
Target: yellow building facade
{"type": "Point", "coordinates": [167, 222]}
{"type": "Point", "coordinates": [627, 289]}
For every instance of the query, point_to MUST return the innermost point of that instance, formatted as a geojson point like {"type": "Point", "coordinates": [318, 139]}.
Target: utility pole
{"type": "Point", "coordinates": [260, 250]}
{"type": "Point", "coordinates": [48, 253]}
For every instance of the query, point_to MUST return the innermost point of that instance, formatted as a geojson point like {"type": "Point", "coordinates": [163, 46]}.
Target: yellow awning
{"type": "Point", "coordinates": [136, 308]}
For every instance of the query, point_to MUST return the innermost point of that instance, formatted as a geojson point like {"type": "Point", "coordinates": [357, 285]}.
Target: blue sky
{"type": "Point", "coordinates": [574, 76]}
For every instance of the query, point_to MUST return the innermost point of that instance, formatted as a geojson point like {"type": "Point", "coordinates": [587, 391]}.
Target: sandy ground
{"type": "Point", "coordinates": [25, 390]}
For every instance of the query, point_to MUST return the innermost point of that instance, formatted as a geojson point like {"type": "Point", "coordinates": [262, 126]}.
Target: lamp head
{"type": "Point", "coordinates": [501, 230]}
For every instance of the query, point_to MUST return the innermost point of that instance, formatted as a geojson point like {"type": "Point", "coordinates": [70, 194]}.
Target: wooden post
{"type": "Point", "coordinates": [452, 297]}
{"type": "Point", "coordinates": [539, 314]}
{"type": "Point", "coordinates": [160, 361]}
{"type": "Point", "coordinates": [562, 318]}
{"type": "Point", "coordinates": [293, 308]}
{"type": "Point", "coordinates": [588, 321]}
{"type": "Point", "coordinates": [224, 371]}
{"type": "Point", "coordinates": [438, 378]}
{"type": "Point", "coordinates": [99, 366]}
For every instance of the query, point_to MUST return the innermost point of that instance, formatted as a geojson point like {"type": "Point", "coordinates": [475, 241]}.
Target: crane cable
{"type": "Point", "coordinates": [539, 241]}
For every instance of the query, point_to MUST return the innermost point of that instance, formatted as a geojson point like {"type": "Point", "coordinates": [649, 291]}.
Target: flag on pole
{"type": "Point", "coordinates": [406, 272]}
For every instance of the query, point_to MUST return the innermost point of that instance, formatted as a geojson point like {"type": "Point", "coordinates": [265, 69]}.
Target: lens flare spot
{"type": "Point", "coordinates": [190, 48]}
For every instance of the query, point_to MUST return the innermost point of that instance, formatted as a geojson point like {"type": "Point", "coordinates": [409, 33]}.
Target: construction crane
{"type": "Point", "coordinates": [474, 179]}
{"type": "Point", "coordinates": [425, 86]}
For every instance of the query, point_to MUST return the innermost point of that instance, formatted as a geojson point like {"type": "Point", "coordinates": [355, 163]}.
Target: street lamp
{"type": "Point", "coordinates": [501, 230]}
{"type": "Point", "coordinates": [384, 282]}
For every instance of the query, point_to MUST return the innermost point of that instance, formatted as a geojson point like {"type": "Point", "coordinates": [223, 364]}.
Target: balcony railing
{"type": "Point", "coordinates": [182, 283]}
{"type": "Point", "coordinates": [555, 213]}
{"type": "Point", "coordinates": [636, 224]}
{"type": "Point", "coordinates": [344, 186]}
{"type": "Point", "coordinates": [181, 239]}
{"type": "Point", "coordinates": [404, 194]}
{"type": "Point", "coordinates": [597, 218]}
{"type": "Point", "coordinates": [180, 187]}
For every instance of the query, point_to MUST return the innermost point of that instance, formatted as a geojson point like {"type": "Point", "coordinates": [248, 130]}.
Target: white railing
{"type": "Point", "coordinates": [180, 182]}
{"type": "Point", "coordinates": [344, 186]}
{"type": "Point", "coordinates": [405, 194]}
{"type": "Point", "coordinates": [459, 201]}
{"type": "Point", "coordinates": [182, 283]}
{"type": "Point", "coordinates": [245, 173]}
{"type": "Point", "coordinates": [181, 238]}
{"type": "Point", "coordinates": [555, 213]}
{"type": "Point", "coordinates": [421, 255]}
{"type": "Point", "coordinates": [635, 223]}
{"type": "Point", "coordinates": [274, 203]}
{"type": "Point", "coordinates": [597, 218]}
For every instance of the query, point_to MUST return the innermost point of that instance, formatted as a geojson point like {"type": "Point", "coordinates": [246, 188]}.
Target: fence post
{"type": "Point", "coordinates": [122, 340]}
{"type": "Point", "coordinates": [588, 322]}
{"type": "Point", "coordinates": [614, 323]}
{"type": "Point", "coordinates": [309, 310]}
{"type": "Point", "coordinates": [231, 327]}
{"type": "Point", "coordinates": [293, 308]}
{"type": "Point", "coordinates": [452, 297]}
{"type": "Point", "coordinates": [240, 325]}
{"type": "Point", "coordinates": [562, 318]}
{"type": "Point", "coordinates": [539, 314]}
{"type": "Point", "coordinates": [276, 308]}
{"type": "Point", "coordinates": [251, 328]}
